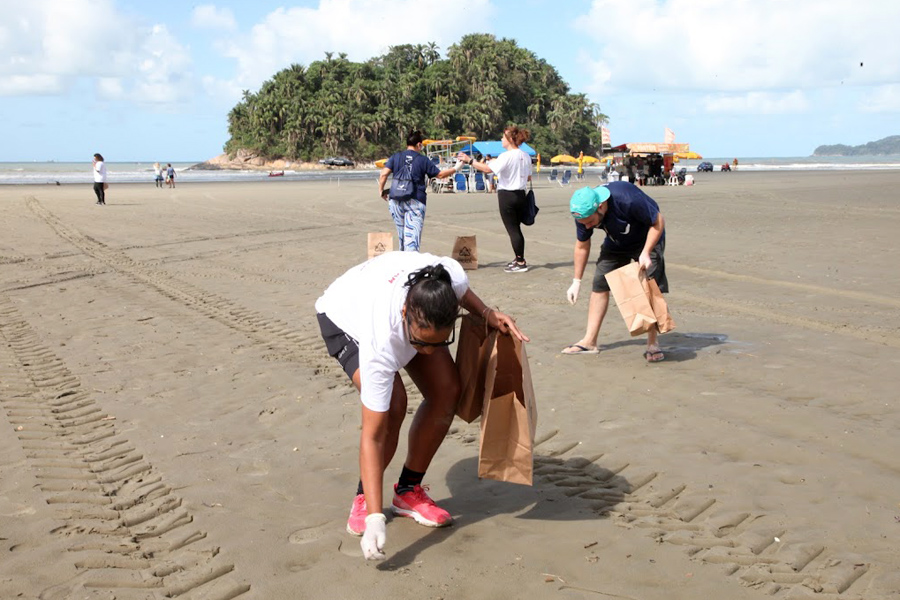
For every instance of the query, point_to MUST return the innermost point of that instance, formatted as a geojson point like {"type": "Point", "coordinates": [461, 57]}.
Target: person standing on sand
{"type": "Point", "coordinates": [398, 310]}
{"type": "Point", "coordinates": [158, 172]}
{"type": "Point", "coordinates": [100, 184]}
{"type": "Point", "coordinates": [635, 230]}
{"type": "Point", "coordinates": [513, 170]}
{"type": "Point", "coordinates": [409, 212]}
{"type": "Point", "coordinates": [170, 175]}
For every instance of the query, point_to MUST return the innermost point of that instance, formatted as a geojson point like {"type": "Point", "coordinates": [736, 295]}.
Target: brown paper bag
{"type": "Point", "coordinates": [379, 243]}
{"type": "Point", "coordinates": [509, 421]}
{"type": "Point", "coordinates": [629, 287]}
{"type": "Point", "coordinates": [473, 352]}
{"type": "Point", "coordinates": [465, 252]}
{"type": "Point", "coordinates": [105, 186]}
{"type": "Point", "coordinates": [660, 309]}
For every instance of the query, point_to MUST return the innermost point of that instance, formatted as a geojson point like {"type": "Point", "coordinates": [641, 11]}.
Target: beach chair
{"type": "Point", "coordinates": [566, 178]}
{"type": "Point", "coordinates": [552, 175]}
{"type": "Point", "coordinates": [479, 182]}
{"type": "Point", "coordinates": [462, 184]}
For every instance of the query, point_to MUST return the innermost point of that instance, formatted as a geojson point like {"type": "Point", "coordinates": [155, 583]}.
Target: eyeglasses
{"type": "Point", "coordinates": [423, 344]}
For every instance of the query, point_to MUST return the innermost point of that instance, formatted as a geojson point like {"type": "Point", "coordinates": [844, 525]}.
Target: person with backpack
{"type": "Point", "coordinates": [406, 196]}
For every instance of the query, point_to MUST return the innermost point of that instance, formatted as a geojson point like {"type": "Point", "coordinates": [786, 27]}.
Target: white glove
{"type": "Point", "coordinates": [459, 165]}
{"type": "Point", "coordinates": [373, 539]}
{"type": "Point", "coordinates": [572, 292]}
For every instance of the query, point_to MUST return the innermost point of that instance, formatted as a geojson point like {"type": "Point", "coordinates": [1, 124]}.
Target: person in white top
{"type": "Point", "coordinates": [396, 311]}
{"type": "Point", "coordinates": [513, 170]}
{"type": "Point", "coordinates": [100, 179]}
{"type": "Point", "coordinates": [158, 171]}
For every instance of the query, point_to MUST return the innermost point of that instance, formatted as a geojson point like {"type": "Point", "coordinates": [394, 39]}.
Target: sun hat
{"type": "Point", "coordinates": [585, 201]}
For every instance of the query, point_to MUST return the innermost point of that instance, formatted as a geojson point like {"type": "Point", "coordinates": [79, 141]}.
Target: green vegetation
{"type": "Point", "coordinates": [364, 110]}
{"type": "Point", "coordinates": [888, 145]}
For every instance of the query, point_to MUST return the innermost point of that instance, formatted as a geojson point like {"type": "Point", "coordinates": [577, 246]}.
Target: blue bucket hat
{"type": "Point", "coordinates": [586, 201]}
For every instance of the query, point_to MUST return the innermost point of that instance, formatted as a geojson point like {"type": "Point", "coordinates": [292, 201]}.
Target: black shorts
{"type": "Point", "coordinates": [340, 345]}
{"type": "Point", "coordinates": [610, 260]}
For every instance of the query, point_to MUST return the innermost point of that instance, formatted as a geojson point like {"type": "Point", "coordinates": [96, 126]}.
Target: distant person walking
{"type": "Point", "coordinates": [407, 194]}
{"type": "Point", "coordinates": [513, 170]}
{"type": "Point", "coordinates": [100, 184]}
{"type": "Point", "coordinates": [170, 175]}
{"type": "Point", "coordinates": [158, 171]}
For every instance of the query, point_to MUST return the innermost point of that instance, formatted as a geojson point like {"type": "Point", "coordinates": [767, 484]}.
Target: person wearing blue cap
{"type": "Point", "coordinates": [635, 230]}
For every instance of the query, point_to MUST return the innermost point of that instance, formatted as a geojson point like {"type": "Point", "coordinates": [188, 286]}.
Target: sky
{"type": "Point", "coordinates": [154, 81]}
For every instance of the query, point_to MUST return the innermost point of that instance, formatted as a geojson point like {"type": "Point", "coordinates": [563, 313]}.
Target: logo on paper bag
{"type": "Point", "coordinates": [465, 255]}
{"type": "Point", "coordinates": [379, 248]}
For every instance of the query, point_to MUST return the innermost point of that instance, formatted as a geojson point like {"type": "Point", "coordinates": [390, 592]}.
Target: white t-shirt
{"type": "Point", "coordinates": [366, 302]}
{"type": "Point", "coordinates": [512, 169]}
{"type": "Point", "coordinates": [99, 171]}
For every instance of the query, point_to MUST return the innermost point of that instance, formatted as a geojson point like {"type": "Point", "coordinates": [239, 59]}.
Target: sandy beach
{"type": "Point", "coordinates": [172, 425]}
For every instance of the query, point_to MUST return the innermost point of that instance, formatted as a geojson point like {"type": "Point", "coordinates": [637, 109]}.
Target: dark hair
{"type": "Point", "coordinates": [414, 138]}
{"type": "Point", "coordinates": [517, 136]}
{"type": "Point", "coordinates": [99, 157]}
{"type": "Point", "coordinates": [431, 301]}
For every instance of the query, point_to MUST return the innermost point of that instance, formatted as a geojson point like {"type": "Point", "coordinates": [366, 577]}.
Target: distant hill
{"type": "Point", "coordinates": [888, 145]}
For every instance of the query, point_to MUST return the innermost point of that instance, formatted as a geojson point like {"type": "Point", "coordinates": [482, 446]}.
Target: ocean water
{"type": "Point", "coordinates": [43, 173]}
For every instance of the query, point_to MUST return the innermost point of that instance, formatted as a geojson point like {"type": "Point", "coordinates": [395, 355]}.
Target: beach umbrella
{"type": "Point", "coordinates": [590, 159]}
{"type": "Point", "coordinates": [688, 155]}
{"type": "Point", "coordinates": [563, 158]}
{"type": "Point", "coordinates": [380, 163]}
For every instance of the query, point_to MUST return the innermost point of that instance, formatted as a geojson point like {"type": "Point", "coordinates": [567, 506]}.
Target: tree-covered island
{"type": "Point", "coordinates": [364, 110]}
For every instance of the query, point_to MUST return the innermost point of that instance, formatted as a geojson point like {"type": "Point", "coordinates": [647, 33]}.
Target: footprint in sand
{"type": "Point", "coordinates": [255, 468]}
{"type": "Point", "coordinates": [313, 533]}
{"type": "Point", "coordinates": [315, 538]}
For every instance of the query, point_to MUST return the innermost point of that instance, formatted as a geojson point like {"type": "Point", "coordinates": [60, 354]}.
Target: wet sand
{"type": "Point", "coordinates": [173, 426]}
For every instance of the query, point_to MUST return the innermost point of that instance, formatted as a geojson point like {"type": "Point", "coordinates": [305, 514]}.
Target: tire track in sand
{"type": "Point", "coordinates": [128, 534]}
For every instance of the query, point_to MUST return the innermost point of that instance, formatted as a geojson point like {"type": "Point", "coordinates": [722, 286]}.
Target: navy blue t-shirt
{"type": "Point", "coordinates": [628, 219]}
{"type": "Point", "coordinates": [421, 167]}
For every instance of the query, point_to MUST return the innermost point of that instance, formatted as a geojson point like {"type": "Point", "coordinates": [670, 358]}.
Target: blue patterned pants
{"type": "Point", "coordinates": [409, 217]}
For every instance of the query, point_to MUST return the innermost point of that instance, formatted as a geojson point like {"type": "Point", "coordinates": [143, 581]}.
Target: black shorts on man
{"type": "Point", "coordinates": [610, 260]}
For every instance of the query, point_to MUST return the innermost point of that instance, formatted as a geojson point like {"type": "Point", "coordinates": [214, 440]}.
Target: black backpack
{"type": "Point", "coordinates": [402, 186]}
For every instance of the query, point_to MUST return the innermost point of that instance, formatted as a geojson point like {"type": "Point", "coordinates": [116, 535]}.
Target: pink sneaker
{"type": "Point", "coordinates": [356, 524]}
{"type": "Point", "coordinates": [419, 506]}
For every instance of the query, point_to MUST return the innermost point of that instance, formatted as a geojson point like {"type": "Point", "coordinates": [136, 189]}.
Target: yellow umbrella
{"type": "Point", "coordinates": [590, 159]}
{"type": "Point", "coordinates": [688, 155]}
{"type": "Point", "coordinates": [380, 163]}
{"type": "Point", "coordinates": [563, 158]}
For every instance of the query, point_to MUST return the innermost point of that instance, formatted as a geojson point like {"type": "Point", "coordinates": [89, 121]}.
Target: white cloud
{"type": "Point", "coordinates": [360, 28]}
{"type": "Point", "coordinates": [710, 45]}
{"type": "Point", "coordinates": [110, 88]}
{"type": "Point", "coordinates": [885, 99]}
{"type": "Point", "coordinates": [208, 16]}
{"type": "Point", "coordinates": [48, 45]}
{"type": "Point", "coordinates": [34, 85]}
{"type": "Point", "coordinates": [757, 103]}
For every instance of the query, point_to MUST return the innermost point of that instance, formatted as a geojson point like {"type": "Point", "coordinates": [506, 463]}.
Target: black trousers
{"type": "Point", "coordinates": [101, 195]}
{"type": "Point", "coordinates": [512, 206]}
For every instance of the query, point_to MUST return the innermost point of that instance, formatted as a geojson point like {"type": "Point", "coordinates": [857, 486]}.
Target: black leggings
{"type": "Point", "coordinates": [512, 205]}
{"type": "Point", "coordinates": [101, 195]}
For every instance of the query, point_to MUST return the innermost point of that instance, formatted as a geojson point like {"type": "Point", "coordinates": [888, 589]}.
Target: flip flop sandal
{"type": "Point", "coordinates": [579, 349]}
{"type": "Point", "coordinates": [650, 354]}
